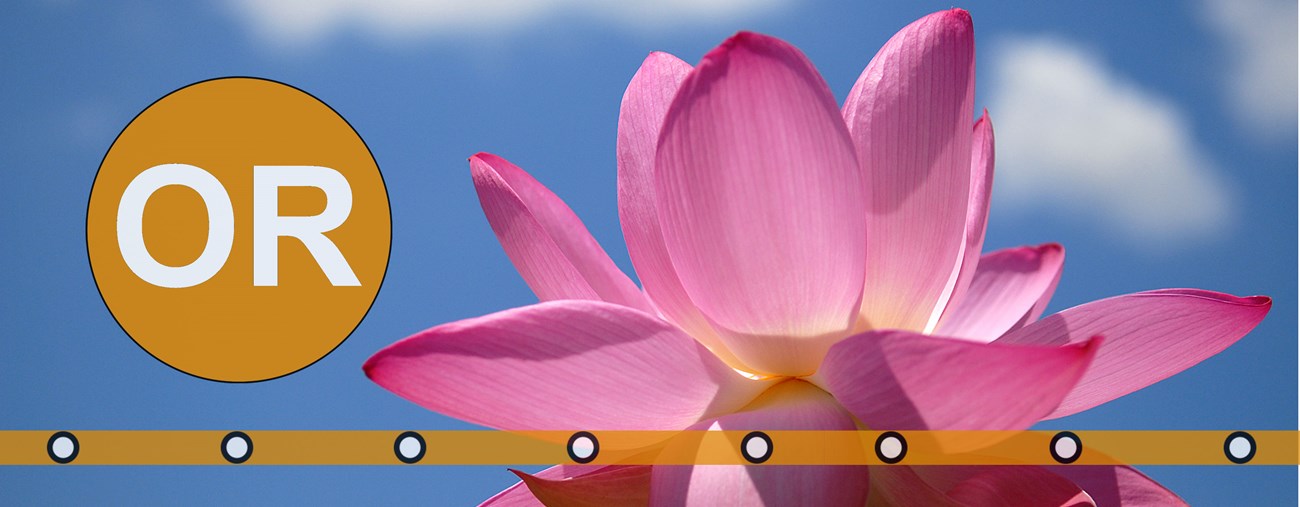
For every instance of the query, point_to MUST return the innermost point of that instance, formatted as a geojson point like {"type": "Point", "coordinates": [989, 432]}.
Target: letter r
{"type": "Point", "coordinates": [269, 226]}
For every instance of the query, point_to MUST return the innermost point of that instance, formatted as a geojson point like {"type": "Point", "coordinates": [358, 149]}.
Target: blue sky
{"type": "Point", "coordinates": [1153, 140]}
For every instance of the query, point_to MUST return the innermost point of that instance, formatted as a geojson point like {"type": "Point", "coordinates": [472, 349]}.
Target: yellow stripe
{"type": "Point", "coordinates": [646, 447]}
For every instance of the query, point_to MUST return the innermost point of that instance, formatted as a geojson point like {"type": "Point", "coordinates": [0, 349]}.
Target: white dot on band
{"type": "Point", "coordinates": [756, 448]}
{"type": "Point", "coordinates": [237, 447]}
{"type": "Point", "coordinates": [583, 447]}
{"type": "Point", "coordinates": [410, 447]}
{"type": "Point", "coordinates": [1240, 447]}
{"type": "Point", "coordinates": [891, 447]}
{"type": "Point", "coordinates": [63, 447]}
{"type": "Point", "coordinates": [1066, 448]}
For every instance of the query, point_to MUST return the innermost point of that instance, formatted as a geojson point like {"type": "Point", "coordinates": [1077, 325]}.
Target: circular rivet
{"type": "Point", "coordinates": [1239, 447]}
{"type": "Point", "coordinates": [891, 447]}
{"type": "Point", "coordinates": [756, 447]}
{"type": "Point", "coordinates": [409, 447]}
{"type": "Point", "coordinates": [583, 447]}
{"type": "Point", "coordinates": [1066, 447]}
{"type": "Point", "coordinates": [236, 447]}
{"type": "Point", "coordinates": [63, 447]}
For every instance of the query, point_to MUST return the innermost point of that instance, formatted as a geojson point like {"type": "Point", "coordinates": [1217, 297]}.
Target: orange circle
{"type": "Point", "coordinates": [226, 328]}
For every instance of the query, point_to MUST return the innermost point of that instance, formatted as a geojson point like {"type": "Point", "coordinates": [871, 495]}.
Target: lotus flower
{"type": "Point", "coordinates": [805, 266]}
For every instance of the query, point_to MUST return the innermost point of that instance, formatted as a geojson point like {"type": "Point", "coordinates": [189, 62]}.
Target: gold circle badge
{"type": "Point", "coordinates": [238, 229]}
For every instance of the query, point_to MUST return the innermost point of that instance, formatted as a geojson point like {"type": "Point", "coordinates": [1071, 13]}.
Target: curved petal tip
{"type": "Point", "coordinates": [745, 39]}
{"type": "Point", "coordinates": [1150, 336]}
{"type": "Point", "coordinates": [1258, 301]}
{"type": "Point", "coordinates": [742, 38]}
{"type": "Point", "coordinates": [956, 15]}
{"type": "Point", "coordinates": [482, 161]}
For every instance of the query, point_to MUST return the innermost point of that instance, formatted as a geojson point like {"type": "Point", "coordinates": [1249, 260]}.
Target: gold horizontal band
{"type": "Point", "coordinates": [485, 447]}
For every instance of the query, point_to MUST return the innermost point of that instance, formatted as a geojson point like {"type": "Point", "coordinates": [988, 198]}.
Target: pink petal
{"type": "Point", "coordinates": [1041, 305]}
{"type": "Point", "coordinates": [1018, 485]}
{"type": "Point", "coordinates": [1149, 337]}
{"type": "Point", "coordinates": [1118, 485]}
{"type": "Point", "coordinates": [791, 405]}
{"type": "Point", "coordinates": [548, 244]}
{"type": "Point", "coordinates": [1105, 485]}
{"type": "Point", "coordinates": [611, 486]}
{"type": "Point", "coordinates": [760, 200]}
{"type": "Point", "coordinates": [977, 210]}
{"type": "Point", "coordinates": [899, 380]}
{"type": "Point", "coordinates": [901, 485]}
{"type": "Point", "coordinates": [644, 105]}
{"type": "Point", "coordinates": [910, 118]}
{"type": "Point", "coordinates": [562, 365]}
{"type": "Point", "coordinates": [518, 495]}
{"type": "Point", "coordinates": [1007, 287]}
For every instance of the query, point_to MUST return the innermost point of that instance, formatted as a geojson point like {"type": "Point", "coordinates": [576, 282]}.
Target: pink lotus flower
{"type": "Point", "coordinates": [832, 256]}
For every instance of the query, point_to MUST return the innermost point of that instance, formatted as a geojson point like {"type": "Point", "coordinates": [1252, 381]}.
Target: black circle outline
{"type": "Point", "coordinates": [1078, 445]}
{"type": "Point", "coordinates": [902, 452]}
{"type": "Point", "coordinates": [49, 447]}
{"type": "Point", "coordinates": [1233, 436]}
{"type": "Point", "coordinates": [382, 183]}
{"type": "Point", "coordinates": [744, 447]}
{"type": "Point", "coordinates": [397, 447]}
{"type": "Point", "coordinates": [231, 436]}
{"type": "Point", "coordinates": [595, 447]}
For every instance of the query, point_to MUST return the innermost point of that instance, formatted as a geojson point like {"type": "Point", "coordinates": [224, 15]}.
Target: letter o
{"type": "Point", "coordinates": [130, 222]}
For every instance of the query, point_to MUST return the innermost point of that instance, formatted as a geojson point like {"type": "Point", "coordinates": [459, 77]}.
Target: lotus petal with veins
{"type": "Point", "coordinates": [805, 267]}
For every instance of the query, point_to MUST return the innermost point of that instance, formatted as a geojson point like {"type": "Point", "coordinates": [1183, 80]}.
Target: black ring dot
{"type": "Point", "coordinates": [767, 449]}
{"type": "Point", "coordinates": [573, 440]}
{"type": "Point", "coordinates": [880, 447]}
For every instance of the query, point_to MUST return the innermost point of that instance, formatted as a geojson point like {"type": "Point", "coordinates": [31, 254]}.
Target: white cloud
{"type": "Point", "coordinates": [1260, 71]}
{"type": "Point", "coordinates": [1074, 137]}
{"type": "Point", "coordinates": [298, 22]}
